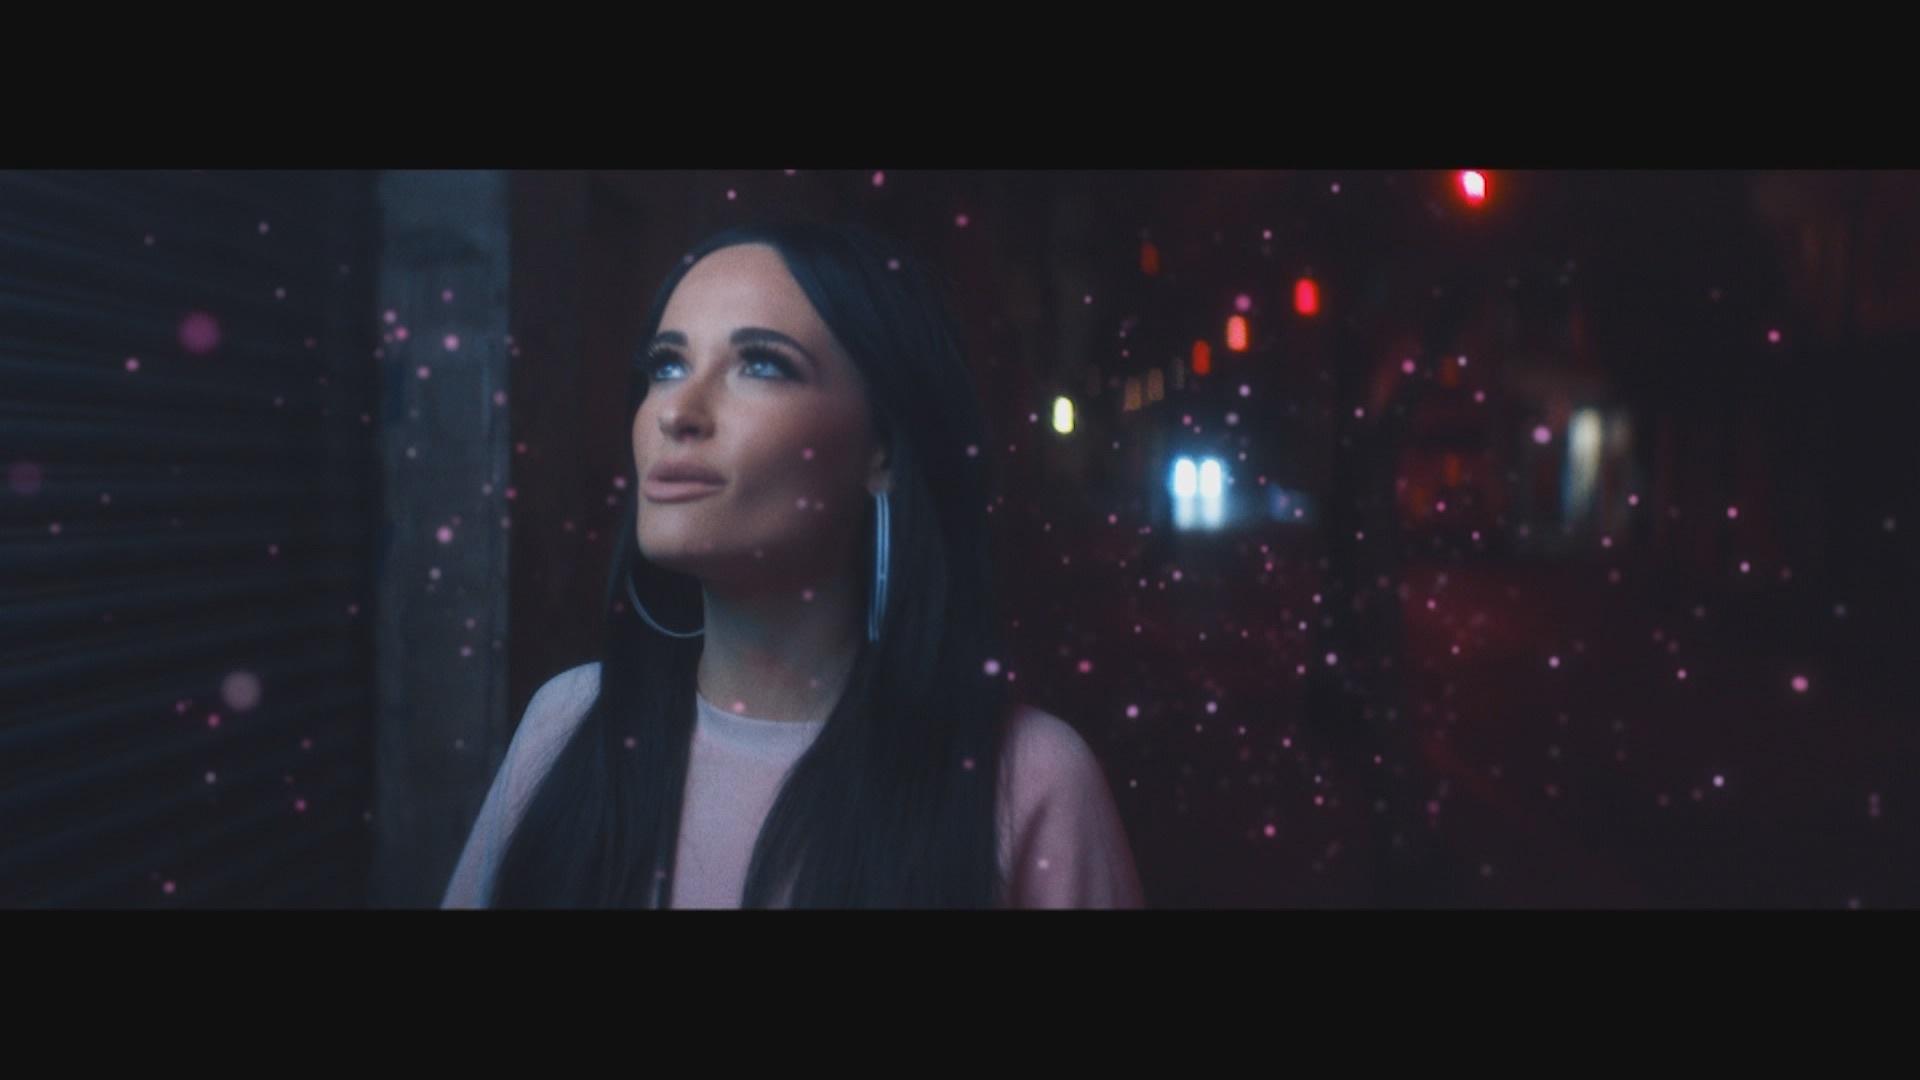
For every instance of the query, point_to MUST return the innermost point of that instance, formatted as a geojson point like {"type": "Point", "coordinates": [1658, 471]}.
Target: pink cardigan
{"type": "Point", "coordinates": [1061, 837]}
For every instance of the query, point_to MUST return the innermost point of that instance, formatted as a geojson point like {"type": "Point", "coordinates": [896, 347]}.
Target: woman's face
{"type": "Point", "coordinates": [745, 379]}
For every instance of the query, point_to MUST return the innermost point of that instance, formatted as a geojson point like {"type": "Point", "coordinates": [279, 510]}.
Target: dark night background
{"type": "Point", "coordinates": [1561, 557]}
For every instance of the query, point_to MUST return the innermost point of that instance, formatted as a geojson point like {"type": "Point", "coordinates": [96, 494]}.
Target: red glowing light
{"type": "Point", "coordinates": [1202, 358]}
{"type": "Point", "coordinates": [1473, 184]}
{"type": "Point", "coordinates": [1306, 296]}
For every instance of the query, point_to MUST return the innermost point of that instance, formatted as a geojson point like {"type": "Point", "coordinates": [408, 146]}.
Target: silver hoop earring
{"type": "Point", "coordinates": [882, 556]}
{"type": "Point", "coordinates": [631, 595]}
{"type": "Point", "coordinates": [877, 605]}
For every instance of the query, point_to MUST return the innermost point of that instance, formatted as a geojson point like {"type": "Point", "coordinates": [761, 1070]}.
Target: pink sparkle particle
{"type": "Point", "coordinates": [199, 333]}
{"type": "Point", "coordinates": [1269, 830]}
{"type": "Point", "coordinates": [1719, 781]}
{"type": "Point", "coordinates": [167, 888]}
{"type": "Point", "coordinates": [499, 397]}
{"type": "Point", "coordinates": [240, 690]}
{"type": "Point", "coordinates": [446, 296]}
{"type": "Point", "coordinates": [423, 371]}
{"type": "Point", "coordinates": [213, 720]}
{"type": "Point", "coordinates": [732, 194]}
{"type": "Point", "coordinates": [512, 494]}
{"type": "Point", "coordinates": [1332, 659]}
{"type": "Point", "coordinates": [1745, 566]}
{"type": "Point", "coordinates": [212, 777]}
{"type": "Point", "coordinates": [1407, 367]}
{"type": "Point", "coordinates": [960, 221]}
{"type": "Point", "coordinates": [1086, 667]}
{"type": "Point", "coordinates": [400, 333]}
{"type": "Point", "coordinates": [1633, 500]}
{"type": "Point", "coordinates": [973, 450]}
{"type": "Point", "coordinates": [1733, 513]}
{"type": "Point", "coordinates": [1245, 390]}
{"type": "Point", "coordinates": [991, 667]}
{"type": "Point", "coordinates": [451, 342]}
{"type": "Point", "coordinates": [1133, 712]}
{"type": "Point", "coordinates": [433, 573]}
{"type": "Point", "coordinates": [133, 363]}
{"type": "Point", "coordinates": [1243, 302]}
{"type": "Point", "coordinates": [23, 478]}
{"type": "Point", "coordinates": [299, 806]}
{"type": "Point", "coordinates": [807, 595]}
{"type": "Point", "coordinates": [1800, 684]}
{"type": "Point", "coordinates": [390, 316]}
{"type": "Point", "coordinates": [1479, 397]}
{"type": "Point", "coordinates": [631, 742]}
{"type": "Point", "coordinates": [1440, 507]}
{"type": "Point", "coordinates": [1542, 435]}
{"type": "Point", "coordinates": [444, 535]}
{"type": "Point", "coordinates": [1773, 337]}
{"type": "Point", "coordinates": [1682, 673]}
{"type": "Point", "coordinates": [1553, 661]}
{"type": "Point", "coordinates": [879, 179]}
{"type": "Point", "coordinates": [1319, 800]}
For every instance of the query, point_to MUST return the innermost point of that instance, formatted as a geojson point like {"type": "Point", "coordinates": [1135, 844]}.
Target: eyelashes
{"type": "Point", "coordinates": [652, 363]}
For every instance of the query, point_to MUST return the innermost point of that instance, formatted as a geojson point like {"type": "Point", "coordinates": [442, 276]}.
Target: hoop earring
{"type": "Point", "coordinates": [877, 604]}
{"type": "Point", "coordinates": [631, 595]}
{"type": "Point", "coordinates": [882, 557]}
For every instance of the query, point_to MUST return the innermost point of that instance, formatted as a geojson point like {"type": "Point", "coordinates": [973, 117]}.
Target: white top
{"type": "Point", "coordinates": [1061, 836]}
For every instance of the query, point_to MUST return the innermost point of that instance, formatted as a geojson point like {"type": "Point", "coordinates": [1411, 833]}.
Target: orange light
{"type": "Point", "coordinates": [1149, 258]}
{"type": "Point", "coordinates": [1454, 471]}
{"type": "Point", "coordinates": [1473, 184]}
{"type": "Point", "coordinates": [1202, 358]}
{"type": "Point", "coordinates": [1237, 333]}
{"type": "Point", "coordinates": [1306, 296]}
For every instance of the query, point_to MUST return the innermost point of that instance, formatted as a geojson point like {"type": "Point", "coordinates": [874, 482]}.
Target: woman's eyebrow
{"type": "Point", "coordinates": [746, 335]}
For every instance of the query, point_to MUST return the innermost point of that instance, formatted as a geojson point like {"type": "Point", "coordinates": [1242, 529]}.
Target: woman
{"type": "Point", "coordinates": [797, 698]}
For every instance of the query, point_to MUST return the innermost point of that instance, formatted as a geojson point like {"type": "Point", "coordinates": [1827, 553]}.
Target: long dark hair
{"type": "Point", "coordinates": [895, 802]}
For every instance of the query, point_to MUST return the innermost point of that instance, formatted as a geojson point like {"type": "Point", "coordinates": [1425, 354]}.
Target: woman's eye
{"type": "Point", "coordinates": [760, 360]}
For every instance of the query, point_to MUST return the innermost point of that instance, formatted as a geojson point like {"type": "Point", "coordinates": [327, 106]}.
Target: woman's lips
{"type": "Point", "coordinates": [677, 490]}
